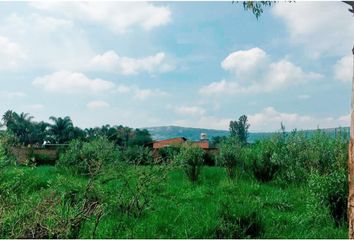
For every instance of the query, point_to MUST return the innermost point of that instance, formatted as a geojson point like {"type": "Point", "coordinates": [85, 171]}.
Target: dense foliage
{"type": "Point", "coordinates": [239, 129]}
{"type": "Point", "coordinates": [89, 158]}
{"type": "Point", "coordinates": [62, 131]}
{"type": "Point", "coordinates": [230, 156]}
{"type": "Point", "coordinates": [107, 184]}
{"type": "Point", "coordinates": [191, 159]}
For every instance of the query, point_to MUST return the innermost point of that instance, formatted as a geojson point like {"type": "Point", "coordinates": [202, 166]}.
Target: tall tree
{"type": "Point", "coordinates": [20, 125]}
{"type": "Point", "coordinates": [239, 129]}
{"type": "Point", "coordinates": [61, 129]}
{"type": "Point", "coordinates": [140, 137]}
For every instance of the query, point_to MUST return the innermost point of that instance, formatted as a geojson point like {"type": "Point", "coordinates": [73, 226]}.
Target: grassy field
{"type": "Point", "coordinates": [177, 208]}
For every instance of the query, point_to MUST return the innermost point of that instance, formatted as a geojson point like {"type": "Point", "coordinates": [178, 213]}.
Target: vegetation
{"type": "Point", "coordinates": [230, 156]}
{"type": "Point", "coordinates": [191, 159]}
{"type": "Point", "coordinates": [256, 6]}
{"type": "Point", "coordinates": [239, 129]}
{"type": "Point", "coordinates": [108, 184]}
{"type": "Point", "coordinates": [62, 131]}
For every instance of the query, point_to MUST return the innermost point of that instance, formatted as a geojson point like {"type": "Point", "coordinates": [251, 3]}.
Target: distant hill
{"type": "Point", "coordinates": [165, 132]}
{"type": "Point", "coordinates": [159, 133]}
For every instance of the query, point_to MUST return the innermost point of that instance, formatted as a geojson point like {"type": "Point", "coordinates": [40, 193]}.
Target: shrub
{"type": "Point", "coordinates": [89, 157]}
{"type": "Point", "coordinates": [6, 142]}
{"type": "Point", "coordinates": [3, 161]}
{"type": "Point", "coordinates": [263, 166]}
{"type": "Point", "coordinates": [331, 191]}
{"type": "Point", "coordinates": [209, 159]}
{"type": "Point", "coordinates": [43, 159]}
{"type": "Point", "coordinates": [191, 159]}
{"type": "Point", "coordinates": [234, 226]}
{"type": "Point", "coordinates": [230, 156]}
{"type": "Point", "coordinates": [137, 155]}
{"type": "Point", "coordinates": [167, 154]}
{"type": "Point", "coordinates": [139, 188]}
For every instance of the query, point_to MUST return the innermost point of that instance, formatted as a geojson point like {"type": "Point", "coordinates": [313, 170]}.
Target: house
{"type": "Point", "coordinates": [202, 143]}
{"type": "Point", "coordinates": [168, 142]}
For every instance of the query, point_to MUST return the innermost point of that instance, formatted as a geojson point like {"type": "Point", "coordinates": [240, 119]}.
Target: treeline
{"type": "Point", "coordinates": [24, 131]}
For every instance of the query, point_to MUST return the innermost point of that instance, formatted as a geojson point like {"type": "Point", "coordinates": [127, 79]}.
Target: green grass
{"type": "Point", "coordinates": [179, 209]}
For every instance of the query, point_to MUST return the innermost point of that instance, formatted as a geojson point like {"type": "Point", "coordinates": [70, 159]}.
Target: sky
{"type": "Point", "coordinates": [191, 64]}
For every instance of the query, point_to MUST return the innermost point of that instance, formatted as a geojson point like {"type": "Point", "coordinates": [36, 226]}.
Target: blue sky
{"type": "Point", "coordinates": [193, 64]}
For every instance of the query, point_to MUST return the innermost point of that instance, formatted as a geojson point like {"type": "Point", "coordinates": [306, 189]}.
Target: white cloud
{"type": "Point", "coordinates": [322, 27]}
{"type": "Point", "coordinates": [71, 82]}
{"type": "Point", "coordinates": [143, 94]}
{"type": "Point", "coordinates": [112, 62]}
{"type": "Point", "coordinates": [284, 73]}
{"type": "Point", "coordinates": [11, 55]}
{"type": "Point", "coordinates": [97, 104]}
{"type": "Point", "coordinates": [190, 110]}
{"type": "Point", "coordinates": [244, 61]}
{"type": "Point", "coordinates": [118, 16]}
{"type": "Point", "coordinates": [44, 42]}
{"type": "Point", "coordinates": [344, 120]}
{"type": "Point", "coordinates": [122, 89]}
{"type": "Point", "coordinates": [222, 87]}
{"type": "Point", "coordinates": [269, 119]}
{"type": "Point", "coordinates": [11, 95]}
{"type": "Point", "coordinates": [253, 71]}
{"type": "Point", "coordinates": [343, 69]}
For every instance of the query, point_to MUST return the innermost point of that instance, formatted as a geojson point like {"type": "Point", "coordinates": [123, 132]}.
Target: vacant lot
{"type": "Point", "coordinates": [47, 201]}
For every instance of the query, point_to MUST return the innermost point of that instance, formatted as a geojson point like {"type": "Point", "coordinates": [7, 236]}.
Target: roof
{"type": "Point", "coordinates": [204, 144]}
{"type": "Point", "coordinates": [168, 139]}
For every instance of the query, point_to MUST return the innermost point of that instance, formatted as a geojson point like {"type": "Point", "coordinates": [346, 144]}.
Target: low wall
{"type": "Point", "coordinates": [23, 154]}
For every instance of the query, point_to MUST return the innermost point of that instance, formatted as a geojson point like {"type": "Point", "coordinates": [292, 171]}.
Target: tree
{"type": "Point", "coordinates": [140, 138]}
{"type": "Point", "coordinates": [256, 6]}
{"type": "Point", "coordinates": [8, 118]}
{"type": "Point", "coordinates": [230, 156]}
{"type": "Point", "coordinates": [239, 129]}
{"type": "Point", "coordinates": [61, 129]}
{"type": "Point", "coordinates": [38, 132]}
{"type": "Point", "coordinates": [191, 159]}
{"type": "Point", "coordinates": [20, 125]}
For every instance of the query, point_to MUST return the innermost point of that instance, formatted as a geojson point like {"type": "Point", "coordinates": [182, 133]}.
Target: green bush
{"type": "Point", "coordinates": [232, 225]}
{"type": "Point", "coordinates": [137, 155]}
{"type": "Point", "coordinates": [230, 156]}
{"type": "Point", "coordinates": [3, 159]}
{"type": "Point", "coordinates": [42, 159]}
{"type": "Point", "coordinates": [331, 191]}
{"type": "Point", "coordinates": [210, 159]}
{"type": "Point", "coordinates": [167, 154]}
{"type": "Point", "coordinates": [191, 159]}
{"type": "Point", "coordinates": [89, 157]}
{"type": "Point", "coordinates": [6, 142]}
{"type": "Point", "coordinates": [263, 166]}
{"type": "Point", "coordinates": [291, 157]}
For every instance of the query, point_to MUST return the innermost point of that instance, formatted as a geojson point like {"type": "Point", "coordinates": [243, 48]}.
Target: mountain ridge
{"type": "Point", "coordinates": [165, 132]}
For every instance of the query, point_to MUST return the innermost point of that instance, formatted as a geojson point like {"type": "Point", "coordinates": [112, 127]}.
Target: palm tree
{"type": "Point", "coordinates": [60, 129]}
{"type": "Point", "coordinates": [8, 117]}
